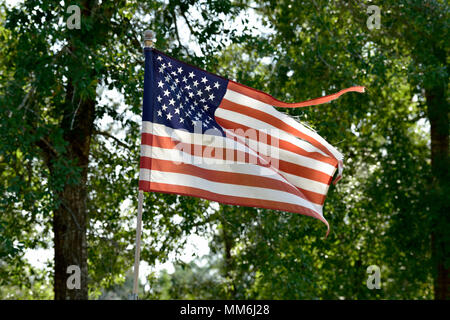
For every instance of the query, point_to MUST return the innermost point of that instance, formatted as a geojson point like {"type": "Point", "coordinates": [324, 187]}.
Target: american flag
{"type": "Point", "coordinates": [213, 138]}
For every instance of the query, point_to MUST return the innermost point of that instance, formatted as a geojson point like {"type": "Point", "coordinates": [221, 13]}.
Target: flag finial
{"type": "Point", "coordinates": [149, 39]}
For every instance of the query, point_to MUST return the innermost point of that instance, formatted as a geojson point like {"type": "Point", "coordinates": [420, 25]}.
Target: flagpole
{"type": "Point", "coordinates": [148, 43]}
{"type": "Point", "coordinates": [137, 253]}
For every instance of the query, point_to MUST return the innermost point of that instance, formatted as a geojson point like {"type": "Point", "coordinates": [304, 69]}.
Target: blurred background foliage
{"type": "Point", "coordinates": [384, 211]}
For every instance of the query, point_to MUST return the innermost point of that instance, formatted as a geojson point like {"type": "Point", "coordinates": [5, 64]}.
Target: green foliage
{"type": "Point", "coordinates": [189, 281]}
{"type": "Point", "coordinates": [46, 71]}
{"type": "Point", "coordinates": [383, 212]}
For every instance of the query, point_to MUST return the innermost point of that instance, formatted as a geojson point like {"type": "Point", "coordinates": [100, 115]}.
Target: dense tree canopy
{"type": "Point", "coordinates": [69, 150]}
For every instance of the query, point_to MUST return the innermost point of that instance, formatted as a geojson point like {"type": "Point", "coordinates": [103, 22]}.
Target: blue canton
{"type": "Point", "coordinates": [185, 97]}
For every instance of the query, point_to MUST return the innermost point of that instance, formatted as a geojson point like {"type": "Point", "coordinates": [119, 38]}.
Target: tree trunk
{"type": "Point", "coordinates": [439, 123]}
{"type": "Point", "coordinates": [228, 258]}
{"type": "Point", "coordinates": [69, 227]}
{"type": "Point", "coordinates": [70, 219]}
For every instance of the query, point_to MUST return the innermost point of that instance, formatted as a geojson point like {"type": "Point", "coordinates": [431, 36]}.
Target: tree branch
{"type": "Point", "coordinates": [191, 30]}
{"type": "Point", "coordinates": [177, 33]}
{"type": "Point", "coordinates": [108, 135]}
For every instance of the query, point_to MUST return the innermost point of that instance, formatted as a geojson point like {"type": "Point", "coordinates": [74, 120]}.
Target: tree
{"type": "Point", "coordinates": [387, 210]}
{"type": "Point", "coordinates": [57, 159]}
{"type": "Point", "coordinates": [51, 139]}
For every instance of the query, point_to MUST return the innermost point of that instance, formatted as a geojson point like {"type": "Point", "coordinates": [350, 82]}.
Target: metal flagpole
{"type": "Point", "coordinates": [137, 253]}
{"type": "Point", "coordinates": [148, 43]}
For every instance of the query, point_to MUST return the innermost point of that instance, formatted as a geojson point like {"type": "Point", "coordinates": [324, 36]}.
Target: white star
{"type": "Point", "coordinates": [178, 96]}
{"type": "Point", "coordinates": [169, 65]}
{"type": "Point", "coordinates": [181, 120]}
{"type": "Point", "coordinates": [203, 100]}
{"type": "Point", "coordinates": [181, 106]}
{"type": "Point", "coordinates": [173, 86]}
{"type": "Point", "coordinates": [161, 69]}
{"type": "Point", "coordinates": [160, 84]}
{"type": "Point", "coordinates": [204, 80]}
{"type": "Point", "coordinates": [167, 78]}
{"type": "Point", "coordinates": [180, 70]}
{"type": "Point", "coordinates": [216, 85]}
{"type": "Point", "coordinates": [169, 116]}
{"type": "Point", "coordinates": [211, 96]}
{"type": "Point", "coordinates": [176, 80]}
{"type": "Point", "coordinates": [195, 83]}
{"type": "Point", "coordinates": [207, 88]}
{"type": "Point", "coordinates": [159, 98]}
{"type": "Point", "coordinates": [172, 102]}
{"type": "Point", "coordinates": [190, 94]}
{"type": "Point", "coordinates": [159, 58]}
{"type": "Point", "coordinates": [174, 73]}
{"type": "Point", "coordinates": [159, 113]}
{"type": "Point", "coordinates": [164, 107]}
{"type": "Point", "coordinates": [205, 107]}
{"type": "Point", "coordinates": [177, 110]}
{"type": "Point", "coordinates": [199, 92]}
{"type": "Point", "coordinates": [166, 93]}
{"type": "Point", "coordinates": [184, 79]}
{"type": "Point", "coordinates": [188, 87]}
{"type": "Point", "coordinates": [191, 75]}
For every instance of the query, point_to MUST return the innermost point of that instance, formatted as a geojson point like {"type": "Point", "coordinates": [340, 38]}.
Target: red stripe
{"type": "Point", "coordinates": [202, 151]}
{"type": "Point", "coordinates": [280, 144]}
{"type": "Point", "coordinates": [233, 200]}
{"type": "Point", "coordinates": [229, 178]}
{"type": "Point", "coordinates": [267, 98]}
{"type": "Point", "coordinates": [269, 119]}
{"type": "Point", "coordinates": [197, 150]}
{"type": "Point", "coordinates": [289, 146]}
{"type": "Point", "coordinates": [147, 139]}
{"type": "Point", "coordinates": [303, 171]}
{"type": "Point", "coordinates": [286, 145]}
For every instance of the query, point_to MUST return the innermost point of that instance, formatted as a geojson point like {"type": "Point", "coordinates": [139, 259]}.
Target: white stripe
{"type": "Point", "coordinates": [239, 167]}
{"type": "Point", "coordinates": [292, 157]}
{"type": "Point", "coordinates": [215, 141]}
{"type": "Point", "coordinates": [306, 184]}
{"type": "Point", "coordinates": [301, 182]}
{"type": "Point", "coordinates": [184, 136]}
{"type": "Point", "coordinates": [145, 175]}
{"type": "Point", "coordinates": [261, 125]}
{"type": "Point", "coordinates": [264, 126]}
{"type": "Point", "coordinates": [242, 168]}
{"type": "Point", "coordinates": [247, 101]}
{"type": "Point", "coordinates": [176, 155]}
{"type": "Point", "coordinates": [227, 189]}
